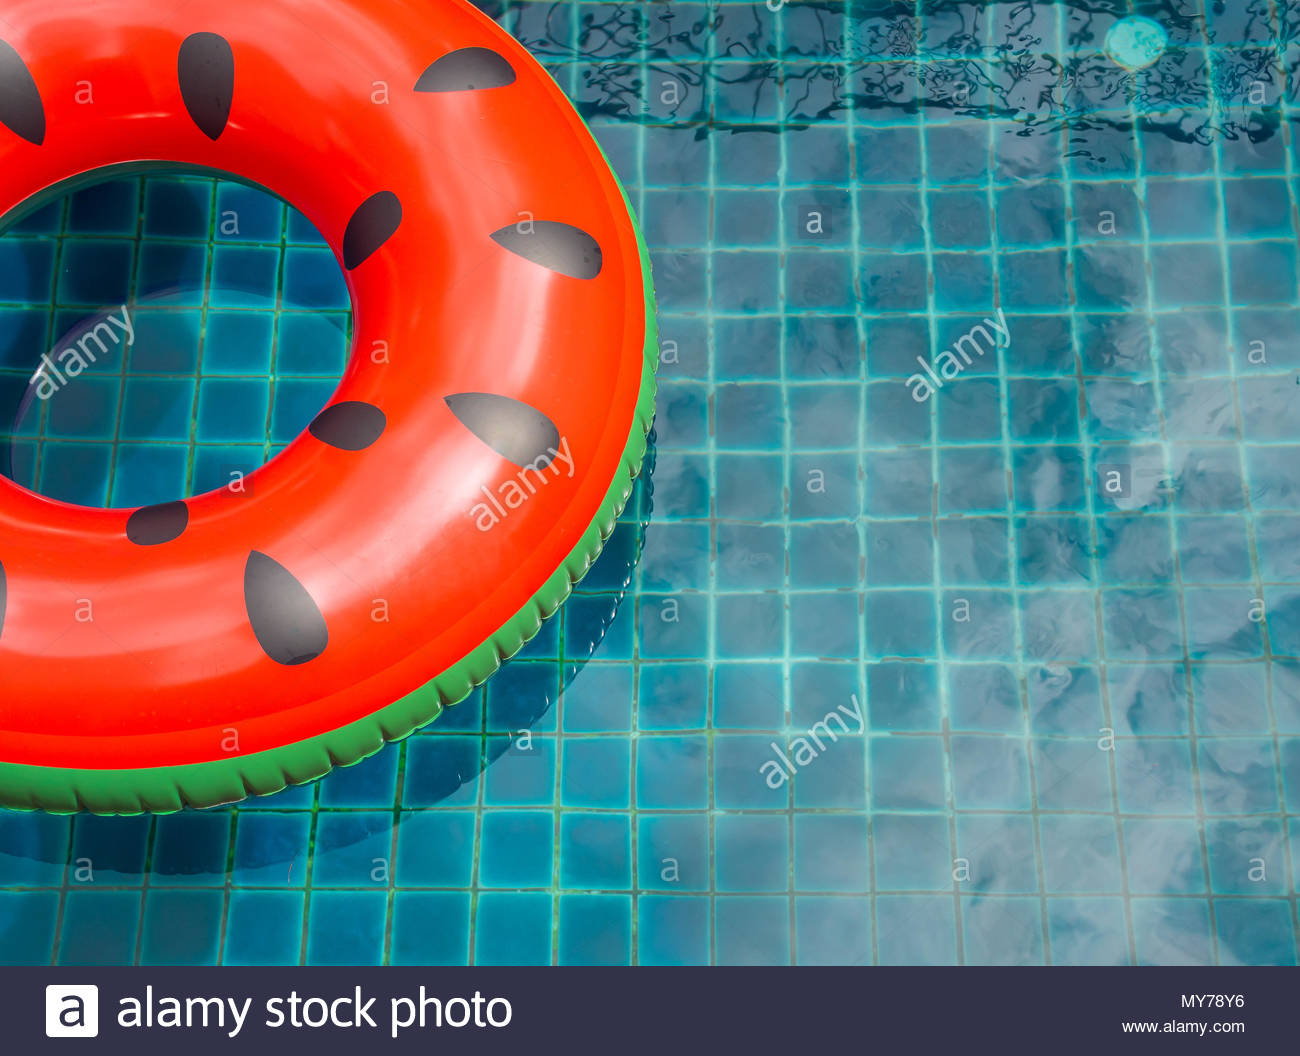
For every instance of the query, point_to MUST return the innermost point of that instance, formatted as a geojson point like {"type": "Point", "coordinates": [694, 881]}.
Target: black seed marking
{"type": "Point", "coordinates": [350, 426]}
{"type": "Point", "coordinates": [288, 623]}
{"type": "Point", "coordinates": [4, 597]}
{"type": "Point", "coordinates": [206, 70]}
{"type": "Point", "coordinates": [153, 525]}
{"type": "Point", "coordinates": [514, 430]}
{"type": "Point", "coordinates": [560, 247]}
{"type": "Point", "coordinates": [467, 69]}
{"type": "Point", "coordinates": [21, 110]}
{"type": "Point", "coordinates": [373, 224]}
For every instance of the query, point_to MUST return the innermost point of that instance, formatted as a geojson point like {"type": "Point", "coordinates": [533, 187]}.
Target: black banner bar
{"type": "Point", "coordinates": [647, 1010]}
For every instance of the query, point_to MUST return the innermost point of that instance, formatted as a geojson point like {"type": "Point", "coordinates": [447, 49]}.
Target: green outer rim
{"type": "Point", "coordinates": [166, 789]}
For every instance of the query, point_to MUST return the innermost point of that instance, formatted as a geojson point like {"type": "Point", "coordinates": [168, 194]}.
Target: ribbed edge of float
{"type": "Point", "coordinates": [164, 790]}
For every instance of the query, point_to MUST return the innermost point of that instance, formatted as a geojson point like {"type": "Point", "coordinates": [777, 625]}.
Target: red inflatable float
{"type": "Point", "coordinates": [477, 452]}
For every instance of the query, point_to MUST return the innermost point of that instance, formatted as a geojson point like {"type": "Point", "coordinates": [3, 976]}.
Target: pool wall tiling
{"type": "Point", "coordinates": [965, 627]}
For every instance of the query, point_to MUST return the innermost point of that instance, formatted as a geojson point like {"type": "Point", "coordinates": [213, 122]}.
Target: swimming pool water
{"type": "Point", "coordinates": [1060, 590]}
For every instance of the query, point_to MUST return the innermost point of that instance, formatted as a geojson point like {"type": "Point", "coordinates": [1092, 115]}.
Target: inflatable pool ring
{"type": "Point", "coordinates": [475, 455]}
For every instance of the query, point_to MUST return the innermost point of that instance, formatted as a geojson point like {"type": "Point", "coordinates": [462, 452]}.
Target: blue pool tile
{"type": "Point", "coordinates": [599, 699]}
{"type": "Point", "coordinates": [893, 282]}
{"type": "Point", "coordinates": [29, 931]}
{"type": "Point", "coordinates": [369, 783]}
{"type": "Point", "coordinates": [824, 624]}
{"type": "Point", "coordinates": [595, 929]}
{"type": "Point", "coordinates": [1155, 777]}
{"type": "Point", "coordinates": [900, 552]}
{"type": "Point", "coordinates": [900, 484]}
{"type": "Point", "coordinates": [595, 851]}
{"type": "Point", "coordinates": [832, 931]}
{"type": "Point", "coordinates": [513, 929]}
{"type": "Point", "coordinates": [516, 848]}
{"type": "Point", "coordinates": [430, 927]}
{"type": "Point", "coordinates": [823, 416]}
{"type": "Point", "coordinates": [972, 480]}
{"type": "Point", "coordinates": [740, 777]}
{"type": "Point", "coordinates": [1071, 775]}
{"type": "Point", "coordinates": [1255, 931]}
{"type": "Point", "coordinates": [99, 927]}
{"type": "Point", "coordinates": [911, 852]}
{"type": "Point", "coordinates": [751, 852]}
{"type": "Point", "coordinates": [1002, 931]}
{"type": "Point", "coordinates": [595, 772]}
{"type": "Point", "coordinates": [521, 772]}
{"type": "Point", "coordinates": [75, 473]}
{"type": "Point", "coordinates": [748, 416]}
{"type": "Point", "coordinates": [899, 623]}
{"type": "Point", "coordinates": [1247, 857]}
{"type": "Point", "coordinates": [521, 696]}
{"type": "Point", "coordinates": [97, 273]}
{"type": "Point", "coordinates": [181, 927]}
{"type": "Point", "coordinates": [441, 770]}
{"type": "Point", "coordinates": [673, 626]}
{"type": "Point", "coordinates": [191, 848]}
{"type": "Point", "coordinates": [824, 485]}
{"type": "Point", "coordinates": [907, 772]}
{"type": "Point", "coordinates": [264, 927]}
{"type": "Point", "coordinates": [1080, 853]}
{"type": "Point", "coordinates": [747, 346]}
{"type": "Point", "coordinates": [346, 927]}
{"type": "Point", "coordinates": [1053, 550]}
{"type": "Point", "coordinates": [1064, 699]}
{"type": "Point", "coordinates": [989, 773]}
{"type": "Point", "coordinates": [270, 847]}
{"type": "Point", "coordinates": [673, 852]}
{"type": "Point", "coordinates": [750, 556]}
{"type": "Point", "coordinates": [673, 930]}
{"type": "Point", "coordinates": [110, 208]}
{"type": "Point", "coordinates": [676, 556]}
{"type": "Point", "coordinates": [673, 697]}
{"type": "Point", "coordinates": [231, 410]}
{"type": "Point", "coordinates": [238, 342]}
{"type": "Point", "coordinates": [33, 849]}
{"type": "Point", "coordinates": [157, 409]}
{"type": "Point", "coordinates": [435, 848]}
{"type": "Point", "coordinates": [749, 486]}
{"type": "Point", "coordinates": [972, 550]}
{"type": "Point", "coordinates": [830, 853]}
{"type": "Point", "coordinates": [247, 214]}
{"type": "Point", "coordinates": [297, 402]}
{"type": "Point", "coordinates": [1237, 776]}
{"type": "Point", "coordinates": [311, 343]}
{"type": "Point", "coordinates": [352, 849]}
{"type": "Point", "coordinates": [1058, 625]}
{"type": "Point", "coordinates": [1262, 272]}
{"type": "Point", "coordinates": [1163, 856]}
{"type": "Point", "coordinates": [748, 695]}
{"type": "Point", "coordinates": [752, 929]}
{"type": "Point", "coordinates": [982, 697]}
{"type": "Point", "coordinates": [916, 929]}
{"type": "Point", "coordinates": [177, 209]}
{"type": "Point", "coordinates": [1087, 931]}
{"type": "Point", "coordinates": [1172, 932]}
{"type": "Point", "coordinates": [997, 853]}
{"type": "Point", "coordinates": [901, 696]}
{"type": "Point", "coordinates": [171, 273]}
{"type": "Point", "coordinates": [241, 276]}
{"type": "Point", "coordinates": [978, 624]}
{"type": "Point", "coordinates": [1142, 623]}
{"type": "Point", "coordinates": [749, 625]}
